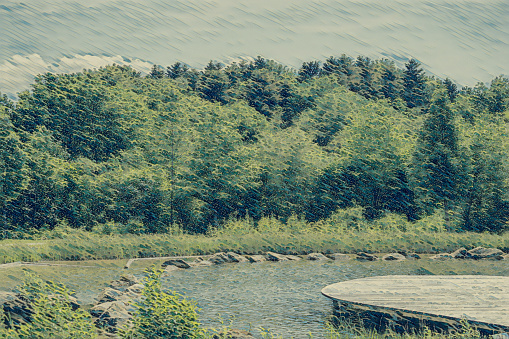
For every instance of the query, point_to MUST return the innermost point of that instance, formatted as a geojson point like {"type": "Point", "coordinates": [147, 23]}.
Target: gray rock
{"type": "Point", "coordinates": [293, 257]}
{"type": "Point", "coordinates": [486, 253]}
{"type": "Point", "coordinates": [362, 256]}
{"type": "Point", "coordinates": [219, 258]}
{"type": "Point", "coordinates": [125, 281]}
{"type": "Point", "coordinates": [234, 257]}
{"type": "Point", "coordinates": [135, 289]}
{"type": "Point", "coordinates": [109, 294]}
{"type": "Point", "coordinates": [460, 253]}
{"type": "Point", "coordinates": [180, 263]}
{"type": "Point", "coordinates": [393, 257]}
{"type": "Point", "coordinates": [201, 263]}
{"type": "Point", "coordinates": [317, 256]}
{"type": "Point", "coordinates": [112, 315]}
{"type": "Point", "coordinates": [271, 256]}
{"type": "Point", "coordinates": [16, 307]}
{"type": "Point", "coordinates": [235, 334]}
{"type": "Point", "coordinates": [340, 257]}
{"type": "Point", "coordinates": [441, 256]}
{"type": "Point", "coordinates": [255, 258]}
{"type": "Point", "coordinates": [413, 256]}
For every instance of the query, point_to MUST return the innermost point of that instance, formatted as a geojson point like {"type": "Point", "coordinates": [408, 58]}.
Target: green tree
{"type": "Point", "coordinates": [370, 171]}
{"type": "Point", "coordinates": [437, 168]}
{"type": "Point", "coordinates": [414, 84]}
{"type": "Point", "coordinates": [309, 70]}
{"type": "Point", "coordinates": [75, 108]}
{"type": "Point", "coordinates": [13, 170]}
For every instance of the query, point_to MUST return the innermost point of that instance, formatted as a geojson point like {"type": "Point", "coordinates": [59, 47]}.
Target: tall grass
{"type": "Point", "coordinates": [344, 232]}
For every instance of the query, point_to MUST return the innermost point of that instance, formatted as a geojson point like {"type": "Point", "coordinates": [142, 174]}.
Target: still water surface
{"type": "Point", "coordinates": [282, 296]}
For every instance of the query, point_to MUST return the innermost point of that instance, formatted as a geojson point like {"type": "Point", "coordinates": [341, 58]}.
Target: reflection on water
{"type": "Point", "coordinates": [282, 296]}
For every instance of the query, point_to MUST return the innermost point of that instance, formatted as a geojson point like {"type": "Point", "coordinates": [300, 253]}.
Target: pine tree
{"type": "Point", "coordinates": [436, 168]}
{"type": "Point", "coordinates": [414, 84]}
{"type": "Point", "coordinates": [309, 70]}
{"type": "Point", "coordinates": [177, 70]}
{"type": "Point", "coordinates": [157, 72]}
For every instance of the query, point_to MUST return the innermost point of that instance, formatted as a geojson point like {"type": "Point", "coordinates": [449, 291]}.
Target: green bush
{"type": "Point", "coordinates": [53, 315]}
{"type": "Point", "coordinates": [161, 314]}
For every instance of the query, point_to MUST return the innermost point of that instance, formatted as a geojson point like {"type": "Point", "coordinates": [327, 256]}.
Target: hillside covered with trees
{"type": "Point", "coordinates": [195, 148]}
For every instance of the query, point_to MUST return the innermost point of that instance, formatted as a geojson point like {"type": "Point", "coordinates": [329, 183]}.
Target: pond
{"type": "Point", "coordinates": [282, 296]}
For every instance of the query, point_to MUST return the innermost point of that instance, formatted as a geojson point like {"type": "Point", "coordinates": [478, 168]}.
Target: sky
{"type": "Point", "coordinates": [465, 40]}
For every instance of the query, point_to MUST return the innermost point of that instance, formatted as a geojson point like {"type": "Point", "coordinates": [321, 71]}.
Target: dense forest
{"type": "Point", "coordinates": [193, 148]}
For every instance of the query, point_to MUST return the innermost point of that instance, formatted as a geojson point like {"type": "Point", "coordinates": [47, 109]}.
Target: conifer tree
{"type": "Point", "coordinates": [436, 162]}
{"type": "Point", "coordinates": [414, 84]}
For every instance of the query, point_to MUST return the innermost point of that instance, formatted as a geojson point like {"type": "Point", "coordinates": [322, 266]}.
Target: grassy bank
{"type": "Point", "coordinates": [85, 246]}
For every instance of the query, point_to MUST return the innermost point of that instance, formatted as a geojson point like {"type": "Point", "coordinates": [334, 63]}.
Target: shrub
{"type": "Point", "coordinates": [52, 314]}
{"type": "Point", "coordinates": [161, 314]}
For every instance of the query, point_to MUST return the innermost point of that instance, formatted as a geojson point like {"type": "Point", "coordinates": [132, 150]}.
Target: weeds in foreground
{"type": "Point", "coordinates": [349, 330]}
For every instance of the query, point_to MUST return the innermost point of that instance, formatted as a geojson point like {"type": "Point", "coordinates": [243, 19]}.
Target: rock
{"type": "Point", "coordinates": [340, 257]}
{"type": "Point", "coordinates": [201, 263]}
{"type": "Point", "coordinates": [393, 257]}
{"type": "Point", "coordinates": [125, 280]}
{"type": "Point", "coordinates": [109, 294]}
{"type": "Point", "coordinates": [235, 334]}
{"type": "Point", "coordinates": [135, 289]}
{"type": "Point", "coordinates": [486, 253]}
{"type": "Point", "coordinates": [219, 258]}
{"type": "Point", "coordinates": [460, 253]}
{"type": "Point", "coordinates": [180, 263]}
{"type": "Point", "coordinates": [317, 256]}
{"type": "Point", "coordinates": [16, 306]}
{"type": "Point", "coordinates": [441, 256]}
{"type": "Point", "coordinates": [256, 258]}
{"type": "Point", "coordinates": [234, 257]}
{"type": "Point", "coordinates": [366, 257]}
{"type": "Point", "coordinates": [293, 257]}
{"type": "Point", "coordinates": [271, 256]}
{"type": "Point", "coordinates": [500, 336]}
{"type": "Point", "coordinates": [112, 315]}
{"type": "Point", "coordinates": [413, 256]}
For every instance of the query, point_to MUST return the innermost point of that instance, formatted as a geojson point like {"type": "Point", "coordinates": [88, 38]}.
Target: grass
{"type": "Point", "coordinates": [295, 237]}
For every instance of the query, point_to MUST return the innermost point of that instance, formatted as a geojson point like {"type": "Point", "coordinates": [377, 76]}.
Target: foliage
{"type": "Point", "coordinates": [161, 314]}
{"type": "Point", "coordinates": [184, 149]}
{"type": "Point", "coordinates": [51, 313]}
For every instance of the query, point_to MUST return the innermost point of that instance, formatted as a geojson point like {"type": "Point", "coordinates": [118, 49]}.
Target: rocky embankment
{"type": "Point", "coordinates": [114, 305]}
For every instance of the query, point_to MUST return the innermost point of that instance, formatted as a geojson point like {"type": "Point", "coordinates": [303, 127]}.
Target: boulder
{"type": "Point", "coordinates": [234, 257]}
{"type": "Point", "coordinates": [293, 257]}
{"type": "Point", "coordinates": [201, 263]}
{"type": "Point", "coordinates": [441, 256]}
{"type": "Point", "coordinates": [340, 257]}
{"type": "Point", "coordinates": [412, 256]}
{"type": "Point", "coordinates": [393, 257]}
{"type": "Point", "coordinates": [109, 294]}
{"type": "Point", "coordinates": [317, 256]}
{"type": "Point", "coordinates": [486, 253]}
{"type": "Point", "coordinates": [271, 256]}
{"type": "Point", "coordinates": [461, 253]}
{"type": "Point", "coordinates": [112, 315]}
{"type": "Point", "coordinates": [256, 258]}
{"type": "Point", "coordinates": [219, 258]}
{"type": "Point", "coordinates": [234, 334]}
{"type": "Point", "coordinates": [16, 306]}
{"type": "Point", "coordinates": [180, 263]}
{"type": "Point", "coordinates": [135, 289]}
{"type": "Point", "coordinates": [125, 281]}
{"type": "Point", "coordinates": [363, 256]}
